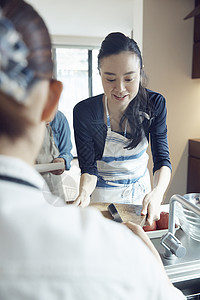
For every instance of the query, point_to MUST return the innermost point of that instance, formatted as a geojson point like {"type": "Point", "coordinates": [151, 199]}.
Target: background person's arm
{"type": "Point", "coordinates": [62, 138]}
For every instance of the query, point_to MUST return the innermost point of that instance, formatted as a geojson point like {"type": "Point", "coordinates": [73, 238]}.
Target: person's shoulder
{"type": "Point", "coordinates": [59, 119]}
{"type": "Point", "coordinates": [60, 115]}
{"type": "Point", "coordinates": [111, 236]}
{"type": "Point", "coordinates": [90, 104]}
{"type": "Point", "coordinates": [101, 224]}
{"type": "Point", "coordinates": [91, 101]}
{"type": "Point", "coordinates": [155, 96]}
{"type": "Point", "coordinates": [106, 249]}
{"type": "Point", "coordinates": [157, 100]}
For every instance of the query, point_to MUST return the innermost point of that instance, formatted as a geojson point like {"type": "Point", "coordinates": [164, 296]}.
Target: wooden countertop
{"type": "Point", "coordinates": [128, 212]}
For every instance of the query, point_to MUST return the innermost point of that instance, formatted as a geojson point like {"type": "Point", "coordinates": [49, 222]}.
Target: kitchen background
{"type": "Point", "coordinates": [166, 41]}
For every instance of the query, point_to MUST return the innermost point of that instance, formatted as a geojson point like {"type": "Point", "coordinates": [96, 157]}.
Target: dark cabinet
{"type": "Point", "coordinates": [196, 39]}
{"type": "Point", "coordinates": [193, 176]}
{"type": "Point", "coordinates": [196, 45]}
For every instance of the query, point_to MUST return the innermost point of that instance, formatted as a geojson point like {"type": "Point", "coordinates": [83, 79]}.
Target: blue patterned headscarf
{"type": "Point", "coordinates": [15, 76]}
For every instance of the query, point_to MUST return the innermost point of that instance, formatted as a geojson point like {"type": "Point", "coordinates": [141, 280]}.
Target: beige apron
{"type": "Point", "coordinates": [48, 153]}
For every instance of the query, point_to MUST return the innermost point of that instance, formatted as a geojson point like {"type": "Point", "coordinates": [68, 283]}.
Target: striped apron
{"type": "Point", "coordinates": [123, 176]}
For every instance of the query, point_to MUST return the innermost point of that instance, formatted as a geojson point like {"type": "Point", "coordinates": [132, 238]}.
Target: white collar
{"type": "Point", "coordinates": [17, 168]}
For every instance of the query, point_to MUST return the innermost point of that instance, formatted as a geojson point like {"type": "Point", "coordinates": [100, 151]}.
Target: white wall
{"type": "Point", "coordinates": [167, 51]}
{"type": "Point", "coordinates": [90, 17]}
{"type": "Point", "coordinates": [137, 22]}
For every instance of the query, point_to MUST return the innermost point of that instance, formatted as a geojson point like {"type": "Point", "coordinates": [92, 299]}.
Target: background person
{"type": "Point", "coordinates": [56, 147]}
{"type": "Point", "coordinates": [47, 252]}
{"type": "Point", "coordinates": [112, 133]}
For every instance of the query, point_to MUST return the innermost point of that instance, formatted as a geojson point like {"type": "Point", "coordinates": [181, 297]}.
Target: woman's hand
{"type": "Point", "coordinates": [87, 186]}
{"type": "Point", "coordinates": [151, 206]}
{"type": "Point", "coordinates": [152, 201]}
{"type": "Point", "coordinates": [82, 200]}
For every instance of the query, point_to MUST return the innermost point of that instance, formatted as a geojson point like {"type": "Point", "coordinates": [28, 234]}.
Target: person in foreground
{"type": "Point", "coordinates": [112, 133]}
{"type": "Point", "coordinates": [52, 252]}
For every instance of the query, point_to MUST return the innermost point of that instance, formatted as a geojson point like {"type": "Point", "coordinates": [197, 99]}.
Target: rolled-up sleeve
{"type": "Point", "coordinates": [62, 138]}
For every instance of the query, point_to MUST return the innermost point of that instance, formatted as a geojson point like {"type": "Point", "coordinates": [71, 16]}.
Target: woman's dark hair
{"type": "Point", "coordinates": [34, 34]}
{"type": "Point", "coordinates": [139, 110]}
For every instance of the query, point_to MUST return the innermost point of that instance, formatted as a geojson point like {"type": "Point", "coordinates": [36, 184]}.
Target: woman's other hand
{"type": "Point", "coordinates": [152, 201]}
{"type": "Point", "coordinates": [151, 206]}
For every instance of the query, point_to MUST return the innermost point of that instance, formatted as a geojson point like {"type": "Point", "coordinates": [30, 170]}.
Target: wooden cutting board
{"type": "Point", "coordinates": [128, 212]}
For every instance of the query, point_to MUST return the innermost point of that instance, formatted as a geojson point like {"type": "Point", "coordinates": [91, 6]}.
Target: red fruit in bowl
{"type": "Point", "coordinates": [164, 221]}
{"type": "Point", "coordinates": [150, 227]}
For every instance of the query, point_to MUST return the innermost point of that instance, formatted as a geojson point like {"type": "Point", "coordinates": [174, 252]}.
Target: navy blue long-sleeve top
{"type": "Point", "coordinates": [90, 132]}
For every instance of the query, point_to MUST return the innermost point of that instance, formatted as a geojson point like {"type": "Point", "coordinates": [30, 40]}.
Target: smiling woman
{"type": "Point", "coordinates": [121, 82]}
{"type": "Point", "coordinates": [112, 133]}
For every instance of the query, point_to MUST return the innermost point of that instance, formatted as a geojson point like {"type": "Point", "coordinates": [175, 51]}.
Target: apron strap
{"type": "Point", "coordinates": [107, 113]}
{"type": "Point", "coordinates": [108, 117]}
{"type": "Point", "coordinates": [18, 181]}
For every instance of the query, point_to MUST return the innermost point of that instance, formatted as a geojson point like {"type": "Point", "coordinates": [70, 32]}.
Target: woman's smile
{"type": "Point", "coordinates": [120, 98]}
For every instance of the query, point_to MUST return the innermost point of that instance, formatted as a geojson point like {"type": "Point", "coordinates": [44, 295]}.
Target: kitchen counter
{"type": "Point", "coordinates": [183, 272]}
{"type": "Point", "coordinates": [185, 268]}
{"type": "Point", "coordinates": [178, 269]}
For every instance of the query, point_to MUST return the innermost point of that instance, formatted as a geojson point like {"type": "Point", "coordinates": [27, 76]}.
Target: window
{"type": "Point", "coordinates": [77, 69]}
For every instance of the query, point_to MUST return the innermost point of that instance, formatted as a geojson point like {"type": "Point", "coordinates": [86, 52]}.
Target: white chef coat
{"type": "Point", "coordinates": [67, 252]}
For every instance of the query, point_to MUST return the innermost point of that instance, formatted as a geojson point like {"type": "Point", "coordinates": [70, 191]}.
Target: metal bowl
{"type": "Point", "coordinates": [190, 221]}
{"type": "Point", "coordinates": [193, 198]}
